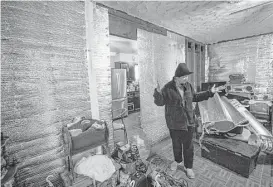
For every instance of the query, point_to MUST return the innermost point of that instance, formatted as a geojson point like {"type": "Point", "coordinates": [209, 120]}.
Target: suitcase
{"type": "Point", "coordinates": [234, 155]}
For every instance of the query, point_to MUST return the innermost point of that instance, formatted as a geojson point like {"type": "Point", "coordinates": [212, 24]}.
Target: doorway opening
{"type": "Point", "coordinates": [125, 88]}
{"type": "Point", "coordinates": [124, 74]}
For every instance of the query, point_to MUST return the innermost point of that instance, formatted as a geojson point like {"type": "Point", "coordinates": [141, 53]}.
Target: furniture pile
{"type": "Point", "coordinates": [90, 163]}
{"type": "Point", "coordinates": [133, 169]}
{"type": "Point", "coordinates": [160, 174]}
{"type": "Point", "coordinates": [231, 135]}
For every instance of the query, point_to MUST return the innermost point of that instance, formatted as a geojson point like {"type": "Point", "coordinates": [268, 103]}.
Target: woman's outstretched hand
{"type": "Point", "coordinates": [217, 89]}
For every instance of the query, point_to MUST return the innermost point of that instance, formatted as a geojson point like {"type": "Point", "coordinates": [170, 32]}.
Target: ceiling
{"type": "Point", "coordinates": [205, 21]}
{"type": "Point", "coordinates": [122, 45]}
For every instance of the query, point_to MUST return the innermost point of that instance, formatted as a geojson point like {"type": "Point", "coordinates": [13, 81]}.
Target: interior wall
{"type": "Point", "coordinates": [101, 60]}
{"type": "Point", "coordinates": [178, 47]}
{"type": "Point", "coordinates": [251, 56]}
{"type": "Point", "coordinates": [112, 61]}
{"type": "Point", "coordinates": [101, 64]}
{"type": "Point", "coordinates": [158, 58]}
{"type": "Point", "coordinates": [130, 58]}
{"type": "Point", "coordinates": [44, 82]}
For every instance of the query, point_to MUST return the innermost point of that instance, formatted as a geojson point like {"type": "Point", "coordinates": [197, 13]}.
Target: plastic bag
{"type": "Point", "coordinates": [98, 167]}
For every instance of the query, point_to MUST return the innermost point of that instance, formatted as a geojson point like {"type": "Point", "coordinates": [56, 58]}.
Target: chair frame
{"type": "Point", "coordinates": [120, 117]}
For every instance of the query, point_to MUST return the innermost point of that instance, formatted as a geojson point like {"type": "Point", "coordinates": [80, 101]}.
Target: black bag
{"type": "Point", "coordinates": [237, 130]}
{"type": "Point", "coordinates": [139, 180]}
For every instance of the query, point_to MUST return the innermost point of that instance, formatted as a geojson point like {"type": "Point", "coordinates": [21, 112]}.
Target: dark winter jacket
{"type": "Point", "coordinates": [179, 116]}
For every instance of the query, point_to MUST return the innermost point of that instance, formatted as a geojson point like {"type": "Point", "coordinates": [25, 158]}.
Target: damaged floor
{"type": "Point", "coordinates": [207, 173]}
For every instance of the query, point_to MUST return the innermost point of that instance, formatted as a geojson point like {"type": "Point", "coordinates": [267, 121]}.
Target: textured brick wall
{"type": "Point", "coordinates": [44, 81]}
{"type": "Point", "coordinates": [101, 63]}
{"type": "Point", "coordinates": [251, 56]}
{"type": "Point", "coordinates": [158, 57]}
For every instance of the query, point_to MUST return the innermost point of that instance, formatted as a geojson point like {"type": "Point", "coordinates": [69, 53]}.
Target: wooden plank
{"type": "Point", "coordinates": [122, 27]}
{"type": "Point", "coordinates": [129, 24]}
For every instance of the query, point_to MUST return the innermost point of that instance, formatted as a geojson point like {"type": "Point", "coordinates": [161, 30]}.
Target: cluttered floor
{"type": "Point", "coordinates": [207, 173]}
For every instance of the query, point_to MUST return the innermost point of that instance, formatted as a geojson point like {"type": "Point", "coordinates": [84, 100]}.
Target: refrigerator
{"type": "Point", "coordinates": [119, 93]}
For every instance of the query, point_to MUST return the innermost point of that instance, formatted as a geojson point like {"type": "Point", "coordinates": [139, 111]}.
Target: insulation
{"type": "Point", "coordinates": [255, 125]}
{"type": "Point", "coordinates": [44, 82]}
{"type": "Point", "coordinates": [45, 157]}
{"type": "Point", "coordinates": [261, 136]}
{"type": "Point", "coordinates": [205, 21]}
{"type": "Point", "coordinates": [158, 58]}
{"type": "Point", "coordinates": [39, 180]}
{"type": "Point", "coordinates": [35, 150]}
{"type": "Point", "coordinates": [252, 57]}
{"type": "Point", "coordinates": [177, 47]}
{"type": "Point", "coordinates": [28, 172]}
{"type": "Point", "coordinates": [101, 60]}
{"type": "Point", "coordinates": [101, 64]}
{"type": "Point", "coordinates": [219, 114]}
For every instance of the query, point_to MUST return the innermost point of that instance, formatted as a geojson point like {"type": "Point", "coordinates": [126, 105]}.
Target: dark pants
{"type": "Point", "coordinates": [183, 140]}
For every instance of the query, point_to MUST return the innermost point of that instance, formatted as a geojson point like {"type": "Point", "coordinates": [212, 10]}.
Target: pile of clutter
{"type": "Point", "coordinates": [135, 172]}
{"type": "Point", "coordinates": [228, 115]}
{"type": "Point", "coordinates": [228, 127]}
{"type": "Point", "coordinates": [160, 175]}
{"type": "Point", "coordinates": [133, 169]}
{"type": "Point", "coordinates": [222, 116]}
